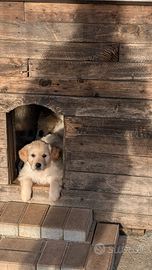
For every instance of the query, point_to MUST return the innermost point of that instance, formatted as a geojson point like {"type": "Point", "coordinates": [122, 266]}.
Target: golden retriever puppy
{"type": "Point", "coordinates": [42, 165]}
{"type": "Point", "coordinates": [51, 123]}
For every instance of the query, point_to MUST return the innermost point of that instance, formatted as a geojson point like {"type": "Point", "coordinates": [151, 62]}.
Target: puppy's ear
{"type": "Point", "coordinates": [23, 153]}
{"type": "Point", "coordinates": [55, 153]}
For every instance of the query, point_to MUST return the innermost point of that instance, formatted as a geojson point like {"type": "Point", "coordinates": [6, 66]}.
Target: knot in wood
{"type": "Point", "coordinates": [45, 83]}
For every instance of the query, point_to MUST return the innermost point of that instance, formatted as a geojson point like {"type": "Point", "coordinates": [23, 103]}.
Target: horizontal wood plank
{"type": "Point", "coordinates": [92, 107]}
{"type": "Point", "coordinates": [91, 162]}
{"type": "Point", "coordinates": [77, 32]}
{"type": "Point", "coordinates": [125, 219]}
{"type": "Point", "coordinates": [100, 202]}
{"type": "Point", "coordinates": [109, 145]}
{"type": "Point", "coordinates": [135, 53]}
{"type": "Point", "coordinates": [119, 2]}
{"type": "Point", "coordinates": [104, 202]}
{"type": "Point", "coordinates": [79, 87]}
{"type": "Point", "coordinates": [90, 70]}
{"type": "Point", "coordinates": [109, 127]}
{"type": "Point", "coordinates": [11, 12]}
{"type": "Point", "coordinates": [73, 13]}
{"type": "Point", "coordinates": [85, 1]}
{"type": "Point", "coordinates": [119, 184]}
{"type": "Point", "coordinates": [59, 50]}
{"type": "Point", "coordinates": [13, 67]}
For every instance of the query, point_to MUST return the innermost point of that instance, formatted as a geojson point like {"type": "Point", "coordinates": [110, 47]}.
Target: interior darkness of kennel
{"type": "Point", "coordinates": [23, 127]}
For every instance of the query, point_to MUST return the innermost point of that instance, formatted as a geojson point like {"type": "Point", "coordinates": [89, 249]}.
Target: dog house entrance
{"type": "Point", "coordinates": [25, 124]}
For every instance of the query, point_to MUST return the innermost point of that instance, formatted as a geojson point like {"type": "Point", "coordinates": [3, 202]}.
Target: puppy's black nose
{"type": "Point", "coordinates": [38, 166]}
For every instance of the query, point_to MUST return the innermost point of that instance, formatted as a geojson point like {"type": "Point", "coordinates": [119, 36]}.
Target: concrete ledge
{"type": "Point", "coordinates": [78, 225]}
{"type": "Point", "coordinates": [31, 222]}
{"type": "Point", "coordinates": [37, 221]}
{"type": "Point", "coordinates": [106, 234]}
{"type": "Point", "coordinates": [10, 217]}
{"type": "Point", "coordinates": [54, 222]}
{"type": "Point", "coordinates": [75, 257]}
{"type": "Point", "coordinates": [52, 255]}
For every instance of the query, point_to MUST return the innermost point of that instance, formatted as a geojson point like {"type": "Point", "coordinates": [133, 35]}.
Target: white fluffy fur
{"type": "Point", "coordinates": [50, 172]}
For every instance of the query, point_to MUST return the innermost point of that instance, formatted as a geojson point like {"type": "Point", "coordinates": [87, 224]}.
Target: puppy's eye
{"type": "Point", "coordinates": [43, 155]}
{"type": "Point", "coordinates": [33, 155]}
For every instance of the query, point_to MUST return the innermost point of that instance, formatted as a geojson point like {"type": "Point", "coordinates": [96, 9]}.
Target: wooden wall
{"type": "Point", "coordinates": [93, 63]}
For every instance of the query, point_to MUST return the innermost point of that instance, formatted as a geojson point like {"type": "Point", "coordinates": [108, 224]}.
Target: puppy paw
{"type": "Point", "coordinates": [54, 194]}
{"type": "Point", "coordinates": [25, 197]}
{"type": "Point", "coordinates": [26, 190]}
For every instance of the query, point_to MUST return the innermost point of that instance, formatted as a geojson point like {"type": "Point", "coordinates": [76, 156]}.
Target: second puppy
{"type": "Point", "coordinates": [42, 165]}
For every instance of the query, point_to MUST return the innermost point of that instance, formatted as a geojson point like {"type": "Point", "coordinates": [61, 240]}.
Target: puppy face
{"type": "Point", "coordinates": [46, 125]}
{"type": "Point", "coordinates": [39, 155]}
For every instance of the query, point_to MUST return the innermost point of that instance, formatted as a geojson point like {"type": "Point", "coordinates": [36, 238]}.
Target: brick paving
{"type": "Point", "coordinates": [10, 218]}
{"type": "Point", "coordinates": [32, 219]}
{"type": "Point", "coordinates": [54, 223]}
{"type": "Point", "coordinates": [38, 237]}
{"type": "Point", "coordinates": [78, 225]}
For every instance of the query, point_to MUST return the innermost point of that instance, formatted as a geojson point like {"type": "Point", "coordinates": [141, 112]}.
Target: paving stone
{"type": "Point", "coordinates": [52, 255]}
{"type": "Point", "coordinates": [22, 244]}
{"type": "Point", "coordinates": [78, 225]}
{"type": "Point", "coordinates": [17, 260]}
{"type": "Point", "coordinates": [54, 223]}
{"type": "Point", "coordinates": [30, 224]}
{"type": "Point", "coordinates": [91, 233]}
{"type": "Point", "coordinates": [75, 257]}
{"type": "Point", "coordinates": [10, 218]}
{"type": "Point", "coordinates": [101, 258]}
{"type": "Point", "coordinates": [106, 234]}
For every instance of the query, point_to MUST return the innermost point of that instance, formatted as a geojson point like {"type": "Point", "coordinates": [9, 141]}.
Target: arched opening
{"type": "Point", "coordinates": [25, 124]}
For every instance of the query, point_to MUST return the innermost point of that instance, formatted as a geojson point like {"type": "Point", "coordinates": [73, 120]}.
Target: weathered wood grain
{"type": "Point", "coordinates": [73, 13]}
{"type": "Point", "coordinates": [125, 219]}
{"type": "Point", "coordinates": [89, 107]}
{"type": "Point", "coordinates": [59, 50]}
{"type": "Point", "coordinates": [105, 202]}
{"type": "Point", "coordinates": [2, 124]}
{"type": "Point", "coordinates": [4, 177]}
{"type": "Point", "coordinates": [13, 67]}
{"type": "Point", "coordinates": [26, 85]}
{"type": "Point", "coordinates": [2, 118]}
{"type": "Point", "coordinates": [90, 70]}
{"type": "Point", "coordinates": [3, 158]}
{"type": "Point", "coordinates": [77, 32]}
{"type": "Point", "coordinates": [81, 88]}
{"type": "Point", "coordinates": [3, 138]}
{"type": "Point", "coordinates": [135, 53]}
{"type": "Point", "coordinates": [147, 2]}
{"type": "Point", "coordinates": [11, 12]}
{"type": "Point", "coordinates": [108, 164]}
{"type": "Point", "coordinates": [125, 209]}
{"type": "Point", "coordinates": [109, 145]}
{"type": "Point", "coordinates": [117, 170]}
{"type": "Point", "coordinates": [101, 201]}
{"type": "Point", "coordinates": [109, 127]}
{"type": "Point", "coordinates": [119, 184]}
